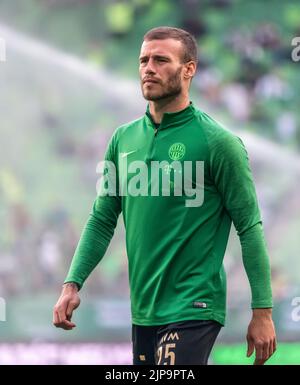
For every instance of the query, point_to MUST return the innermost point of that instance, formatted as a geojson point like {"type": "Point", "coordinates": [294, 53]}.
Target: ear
{"type": "Point", "coordinates": [189, 69]}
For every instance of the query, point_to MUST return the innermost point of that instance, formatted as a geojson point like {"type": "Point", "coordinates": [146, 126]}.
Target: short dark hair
{"type": "Point", "coordinates": [188, 40]}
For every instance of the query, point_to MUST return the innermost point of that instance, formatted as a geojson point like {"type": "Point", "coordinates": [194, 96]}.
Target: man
{"type": "Point", "coordinates": [176, 246]}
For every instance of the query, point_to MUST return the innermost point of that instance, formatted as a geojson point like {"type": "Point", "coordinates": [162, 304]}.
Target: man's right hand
{"type": "Point", "coordinates": [68, 301]}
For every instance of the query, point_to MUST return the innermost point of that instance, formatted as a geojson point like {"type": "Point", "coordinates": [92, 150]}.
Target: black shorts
{"type": "Point", "coordinates": [180, 343]}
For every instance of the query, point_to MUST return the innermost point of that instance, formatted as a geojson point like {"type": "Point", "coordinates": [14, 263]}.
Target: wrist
{"type": "Point", "coordinates": [71, 286]}
{"type": "Point", "coordinates": [262, 313]}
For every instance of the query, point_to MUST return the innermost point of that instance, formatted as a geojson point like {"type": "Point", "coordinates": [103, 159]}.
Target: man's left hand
{"type": "Point", "coordinates": [261, 336]}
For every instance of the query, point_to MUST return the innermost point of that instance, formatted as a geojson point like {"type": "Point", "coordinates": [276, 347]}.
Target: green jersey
{"type": "Point", "coordinates": [175, 250]}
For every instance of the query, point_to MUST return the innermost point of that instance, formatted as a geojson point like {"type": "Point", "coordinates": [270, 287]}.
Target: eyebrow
{"type": "Point", "coordinates": [155, 57]}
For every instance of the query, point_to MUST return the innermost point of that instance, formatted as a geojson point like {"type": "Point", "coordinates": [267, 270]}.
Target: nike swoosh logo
{"type": "Point", "coordinates": [124, 154]}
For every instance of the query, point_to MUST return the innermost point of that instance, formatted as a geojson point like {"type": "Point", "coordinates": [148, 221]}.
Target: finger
{"type": "Point", "coordinates": [259, 362]}
{"type": "Point", "coordinates": [271, 349]}
{"type": "Point", "coordinates": [70, 324]}
{"type": "Point", "coordinates": [67, 325]}
{"type": "Point", "coordinates": [250, 347]}
{"type": "Point", "coordinates": [265, 351]}
{"type": "Point", "coordinates": [69, 311]}
{"type": "Point", "coordinates": [60, 319]}
{"type": "Point", "coordinates": [259, 352]}
{"type": "Point", "coordinates": [55, 318]}
{"type": "Point", "coordinates": [59, 322]}
{"type": "Point", "coordinates": [274, 344]}
{"type": "Point", "coordinates": [262, 353]}
{"type": "Point", "coordinates": [61, 311]}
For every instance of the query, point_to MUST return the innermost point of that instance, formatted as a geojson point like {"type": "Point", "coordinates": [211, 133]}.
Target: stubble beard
{"type": "Point", "coordinates": [171, 89]}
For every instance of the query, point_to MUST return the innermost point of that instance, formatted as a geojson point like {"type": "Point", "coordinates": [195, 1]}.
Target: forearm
{"type": "Point", "coordinates": [98, 230]}
{"type": "Point", "coordinates": [257, 266]}
{"type": "Point", "coordinates": [92, 246]}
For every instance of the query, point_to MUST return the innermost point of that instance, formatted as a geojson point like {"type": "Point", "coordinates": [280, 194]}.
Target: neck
{"type": "Point", "coordinates": [159, 107]}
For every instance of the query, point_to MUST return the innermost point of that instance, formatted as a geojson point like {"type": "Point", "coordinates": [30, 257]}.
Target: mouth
{"type": "Point", "coordinates": [150, 81]}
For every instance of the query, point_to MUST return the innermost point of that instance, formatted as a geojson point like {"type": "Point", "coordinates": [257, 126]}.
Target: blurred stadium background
{"type": "Point", "coordinates": [69, 79]}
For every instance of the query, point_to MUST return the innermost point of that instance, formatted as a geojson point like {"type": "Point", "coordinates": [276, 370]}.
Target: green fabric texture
{"type": "Point", "coordinates": [175, 253]}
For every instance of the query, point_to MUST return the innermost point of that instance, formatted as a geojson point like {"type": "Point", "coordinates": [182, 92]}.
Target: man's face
{"type": "Point", "coordinates": [161, 69]}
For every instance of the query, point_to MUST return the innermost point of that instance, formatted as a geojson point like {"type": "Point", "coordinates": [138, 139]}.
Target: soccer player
{"type": "Point", "coordinates": [176, 244]}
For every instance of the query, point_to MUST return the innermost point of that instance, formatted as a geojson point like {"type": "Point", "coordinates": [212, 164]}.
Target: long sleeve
{"type": "Point", "coordinates": [229, 167]}
{"type": "Point", "coordinates": [97, 233]}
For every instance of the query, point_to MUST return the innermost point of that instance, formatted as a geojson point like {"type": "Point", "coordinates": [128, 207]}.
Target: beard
{"type": "Point", "coordinates": [170, 89]}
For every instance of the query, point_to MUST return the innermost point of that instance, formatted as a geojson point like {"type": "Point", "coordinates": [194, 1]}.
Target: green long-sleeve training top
{"type": "Point", "coordinates": [176, 249]}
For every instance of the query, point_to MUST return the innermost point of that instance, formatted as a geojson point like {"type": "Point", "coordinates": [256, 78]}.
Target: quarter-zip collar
{"type": "Point", "coordinates": [171, 119]}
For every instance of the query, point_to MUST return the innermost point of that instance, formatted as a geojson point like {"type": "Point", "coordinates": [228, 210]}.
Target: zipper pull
{"type": "Point", "coordinates": [155, 131]}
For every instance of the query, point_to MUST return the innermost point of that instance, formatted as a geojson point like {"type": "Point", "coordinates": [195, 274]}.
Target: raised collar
{"type": "Point", "coordinates": [171, 119]}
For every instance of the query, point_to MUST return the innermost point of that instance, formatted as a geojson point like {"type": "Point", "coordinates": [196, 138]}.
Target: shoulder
{"type": "Point", "coordinates": [213, 129]}
{"type": "Point", "coordinates": [217, 135]}
{"type": "Point", "coordinates": [223, 144]}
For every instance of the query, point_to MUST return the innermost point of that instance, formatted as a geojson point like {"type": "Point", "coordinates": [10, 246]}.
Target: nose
{"type": "Point", "coordinates": [149, 68]}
